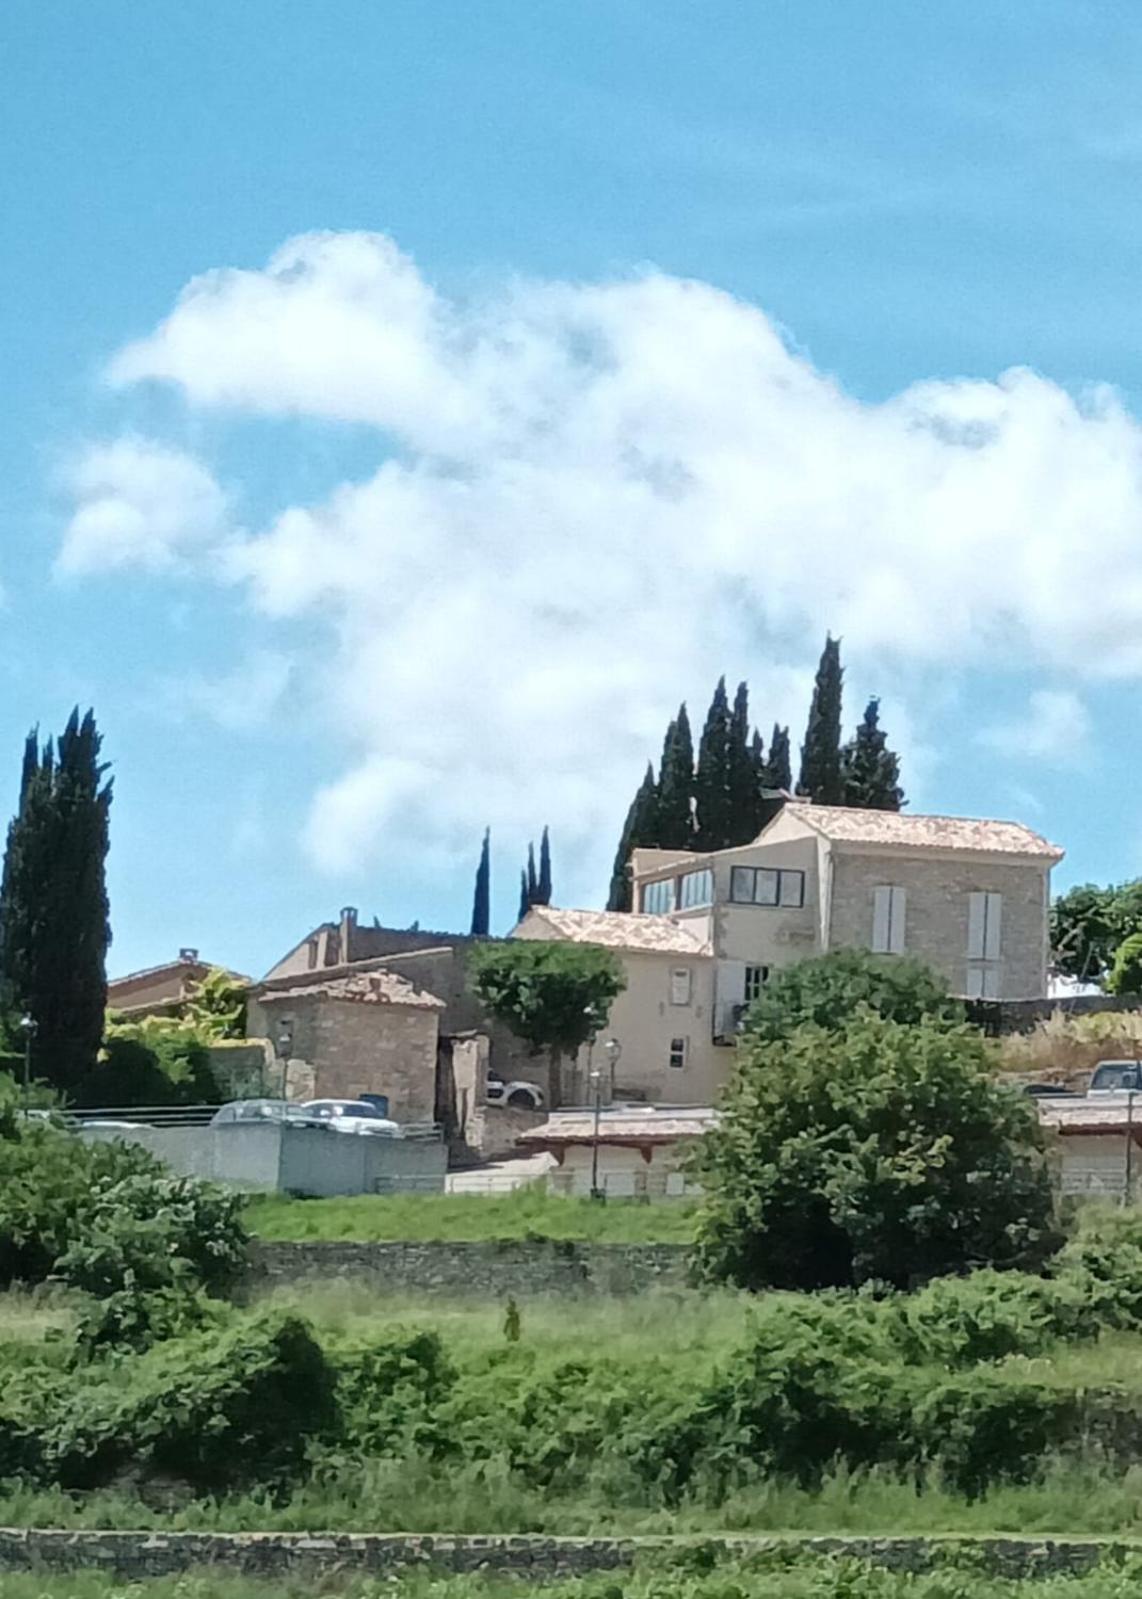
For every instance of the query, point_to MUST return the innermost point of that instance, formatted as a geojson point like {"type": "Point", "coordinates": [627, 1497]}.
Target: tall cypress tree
{"type": "Point", "coordinates": [741, 773]}
{"type": "Point", "coordinates": [713, 814]}
{"type": "Point", "coordinates": [676, 786]}
{"type": "Point", "coordinates": [640, 830]}
{"type": "Point", "coordinates": [778, 769]}
{"type": "Point", "coordinates": [543, 888]}
{"type": "Point", "coordinates": [870, 771]}
{"type": "Point", "coordinates": [532, 879]}
{"type": "Point", "coordinates": [821, 752]}
{"type": "Point", "coordinates": [54, 929]}
{"type": "Point", "coordinates": [524, 900]}
{"type": "Point", "coordinates": [482, 897]}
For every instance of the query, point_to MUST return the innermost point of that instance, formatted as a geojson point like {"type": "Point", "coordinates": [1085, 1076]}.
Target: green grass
{"type": "Point", "coordinates": [462, 1218]}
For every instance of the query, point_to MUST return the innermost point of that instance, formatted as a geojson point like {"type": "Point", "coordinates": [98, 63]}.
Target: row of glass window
{"type": "Point", "coordinates": [749, 885]}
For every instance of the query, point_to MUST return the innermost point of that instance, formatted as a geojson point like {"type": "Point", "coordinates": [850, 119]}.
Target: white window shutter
{"type": "Point", "coordinates": [992, 932]}
{"type": "Point", "coordinates": [881, 919]}
{"type": "Point", "coordinates": [975, 983]}
{"type": "Point", "coordinates": [990, 982]}
{"type": "Point", "coordinates": [680, 986]}
{"type": "Point", "coordinates": [896, 924]}
{"type": "Point", "coordinates": [977, 928]}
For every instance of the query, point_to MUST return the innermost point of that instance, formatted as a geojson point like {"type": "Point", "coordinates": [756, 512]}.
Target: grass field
{"type": "Point", "coordinates": [458, 1218]}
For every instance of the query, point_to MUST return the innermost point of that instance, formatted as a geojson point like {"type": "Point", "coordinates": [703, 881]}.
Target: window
{"type": "Point", "coordinates": [985, 912]}
{"type": "Point", "coordinates": [680, 985]}
{"type": "Point", "coordinates": [658, 898]}
{"type": "Point", "coordinates": [695, 888]}
{"type": "Point", "coordinates": [766, 885]}
{"type": "Point", "coordinates": [756, 978]}
{"type": "Point", "coordinates": [888, 921]}
{"type": "Point", "coordinates": [679, 1049]}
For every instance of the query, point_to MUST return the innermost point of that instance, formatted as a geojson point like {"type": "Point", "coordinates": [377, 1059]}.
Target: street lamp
{"type": "Point", "coordinates": [596, 1076]}
{"type": "Point", "coordinates": [29, 1026]}
{"type": "Point", "coordinates": [612, 1049]}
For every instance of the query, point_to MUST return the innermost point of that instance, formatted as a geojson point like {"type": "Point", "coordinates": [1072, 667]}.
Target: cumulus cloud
{"type": "Point", "coordinates": [591, 499]}
{"type": "Point", "coordinates": [1055, 727]}
{"type": "Point", "coordinates": [238, 700]}
{"type": "Point", "coordinates": [138, 503]}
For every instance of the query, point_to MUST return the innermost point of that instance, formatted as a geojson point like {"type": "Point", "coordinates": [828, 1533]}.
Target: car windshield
{"type": "Point", "coordinates": [1119, 1075]}
{"type": "Point", "coordinates": [366, 1111]}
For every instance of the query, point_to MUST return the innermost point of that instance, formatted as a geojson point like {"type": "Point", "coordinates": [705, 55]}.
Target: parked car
{"type": "Point", "coordinates": [1049, 1091]}
{"type": "Point", "coordinates": [351, 1116]}
{"type": "Point", "coordinates": [262, 1110]}
{"type": "Point", "coordinates": [1115, 1076]}
{"type": "Point", "coordinates": [519, 1095]}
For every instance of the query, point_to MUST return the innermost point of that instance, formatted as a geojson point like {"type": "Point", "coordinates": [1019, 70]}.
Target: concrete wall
{"type": "Point", "coordinates": [478, 1270]}
{"type": "Point", "coordinates": [936, 913]}
{"type": "Point", "coordinates": [308, 1160]}
{"type": "Point", "coordinates": [624, 1173]}
{"type": "Point", "coordinates": [354, 1047]}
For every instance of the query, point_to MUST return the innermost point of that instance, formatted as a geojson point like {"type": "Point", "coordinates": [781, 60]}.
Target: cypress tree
{"type": "Point", "coordinates": [532, 879]}
{"type": "Point", "coordinates": [482, 898]}
{"type": "Point", "coordinates": [639, 830]}
{"type": "Point", "coordinates": [543, 889]}
{"type": "Point", "coordinates": [744, 799]}
{"type": "Point", "coordinates": [676, 786]}
{"type": "Point", "coordinates": [821, 752]}
{"type": "Point", "coordinates": [524, 901]}
{"type": "Point", "coordinates": [714, 818]}
{"type": "Point", "coordinates": [870, 771]}
{"type": "Point", "coordinates": [779, 770]}
{"type": "Point", "coordinates": [54, 930]}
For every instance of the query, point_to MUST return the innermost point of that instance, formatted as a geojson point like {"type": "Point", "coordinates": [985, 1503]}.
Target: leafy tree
{"type": "Point", "coordinates": [639, 831]}
{"type": "Point", "coordinates": [1087, 926]}
{"type": "Point", "coordinates": [216, 1008]}
{"type": "Point", "coordinates": [876, 1150]}
{"type": "Point", "coordinates": [555, 996]}
{"type": "Point", "coordinates": [543, 888]}
{"type": "Point", "coordinates": [54, 930]}
{"type": "Point", "coordinates": [712, 803]}
{"type": "Point", "coordinates": [828, 990]}
{"type": "Point", "coordinates": [821, 752]}
{"type": "Point", "coordinates": [1126, 972]}
{"type": "Point", "coordinates": [482, 895]}
{"type": "Point", "coordinates": [870, 771]}
{"type": "Point", "coordinates": [676, 786]}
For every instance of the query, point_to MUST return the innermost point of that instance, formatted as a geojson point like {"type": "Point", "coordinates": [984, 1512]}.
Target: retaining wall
{"type": "Point", "coordinates": [156, 1554]}
{"type": "Point", "coordinates": [483, 1270]}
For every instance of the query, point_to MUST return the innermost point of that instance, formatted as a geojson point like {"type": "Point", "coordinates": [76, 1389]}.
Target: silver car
{"type": "Point", "coordinates": [350, 1116]}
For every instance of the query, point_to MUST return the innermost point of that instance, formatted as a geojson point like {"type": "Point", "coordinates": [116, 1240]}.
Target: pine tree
{"type": "Point", "coordinates": [676, 786]}
{"type": "Point", "coordinates": [870, 771]}
{"type": "Point", "coordinates": [543, 889]}
{"type": "Point", "coordinates": [54, 930]}
{"type": "Point", "coordinates": [778, 769]}
{"type": "Point", "coordinates": [482, 898]}
{"type": "Point", "coordinates": [713, 816]}
{"type": "Point", "coordinates": [820, 777]}
{"type": "Point", "coordinates": [524, 901]}
{"type": "Point", "coordinates": [640, 830]}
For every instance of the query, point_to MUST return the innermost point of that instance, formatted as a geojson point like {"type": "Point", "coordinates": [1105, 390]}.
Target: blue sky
{"type": "Point", "coordinates": [618, 345]}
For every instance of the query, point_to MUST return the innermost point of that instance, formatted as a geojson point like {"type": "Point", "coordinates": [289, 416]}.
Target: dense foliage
{"type": "Point", "coordinates": [1088, 925]}
{"type": "Point", "coordinates": [54, 929]}
{"type": "Point", "coordinates": [828, 990]}
{"type": "Point", "coordinates": [870, 771]}
{"type": "Point", "coordinates": [873, 1149]}
{"type": "Point", "coordinates": [820, 777]}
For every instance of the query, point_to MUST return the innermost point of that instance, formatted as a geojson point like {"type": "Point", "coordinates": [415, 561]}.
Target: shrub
{"type": "Point", "coordinates": [158, 1061]}
{"type": "Point", "coordinates": [879, 1150]}
{"type": "Point", "coordinates": [963, 1321]}
{"type": "Point", "coordinates": [1102, 1264]}
{"type": "Point", "coordinates": [389, 1392]}
{"type": "Point", "coordinates": [829, 990]}
{"type": "Point", "coordinates": [980, 1427]}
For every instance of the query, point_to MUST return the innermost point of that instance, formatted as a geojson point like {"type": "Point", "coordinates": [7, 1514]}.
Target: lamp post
{"type": "Point", "coordinates": [596, 1076]}
{"type": "Point", "coordinates": [283, 1050]}
{"type": "Point", "coordinates": [29, 1026]}
{"type": "Point", "coordinates": [612, 1049]}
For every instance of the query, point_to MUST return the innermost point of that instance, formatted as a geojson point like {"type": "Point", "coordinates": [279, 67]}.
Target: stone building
{"type": "Point", "coordinates": [160, 990]}
{"type": "Point", "coordinates": [968, 897]}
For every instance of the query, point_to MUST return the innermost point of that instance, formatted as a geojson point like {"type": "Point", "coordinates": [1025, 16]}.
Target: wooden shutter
{"type": "Point", "coordinates": [991, 934]}
{"type": "Point", "coordinates": [896, 921]}
{"type": "Point", "coordinates": [881, 919]}
{"type": "Point", "coordinates": [977, 928]}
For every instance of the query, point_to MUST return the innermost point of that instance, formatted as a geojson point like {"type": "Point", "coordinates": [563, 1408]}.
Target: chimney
{"type": "Point", "coordinates": [190, 956]}
{"type": "Point", "coordinates": [348, 928]}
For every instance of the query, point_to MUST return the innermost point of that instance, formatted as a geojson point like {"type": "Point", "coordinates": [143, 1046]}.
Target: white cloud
{"type": "Point", "coordinates": [1055, 727]}
{"type": "Point", "coordinates": [593, 498]}
{"type": "Point", "coordinates": [239, 700]}
{"type": "Point", "coordinates": [138, 503]}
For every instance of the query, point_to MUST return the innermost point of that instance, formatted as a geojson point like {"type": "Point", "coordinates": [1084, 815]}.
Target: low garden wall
{"type": "Point", "coordinates": [134, 1555]}
{"type": "Point", "coordinates": [484, 1270]}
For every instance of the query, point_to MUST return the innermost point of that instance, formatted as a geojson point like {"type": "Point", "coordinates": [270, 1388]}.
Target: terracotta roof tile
{"type": "Point", "coordinates": [845, 825]}
{"type": "Point", "coordinates": [620, 930]}
{"type": "Point", "coordinates": [363, 988]}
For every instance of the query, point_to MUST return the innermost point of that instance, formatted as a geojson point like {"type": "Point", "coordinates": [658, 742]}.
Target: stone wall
{"type": "Point", "coordinates": [481, 1270]}
{"type": "Point", "coordinates": [137, 1555]}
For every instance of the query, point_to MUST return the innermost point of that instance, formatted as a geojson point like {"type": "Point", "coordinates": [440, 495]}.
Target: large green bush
{"type": "Point", "coordinates": [874, 1150]}
{"type": "Point", "coordinates": [829, 990]}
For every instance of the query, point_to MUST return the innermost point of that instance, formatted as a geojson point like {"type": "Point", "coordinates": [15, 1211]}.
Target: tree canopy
{"type": "Point", "coordinates": [820, 778]}
{"type": "Point", "coordinates": [870, 772]}
{"type": "Point", "coordinates": [874, 1150]}
{"type": "Point", "coordinates": [828, 990]}
{"type": "Point", "coordinates": [1088, 924]}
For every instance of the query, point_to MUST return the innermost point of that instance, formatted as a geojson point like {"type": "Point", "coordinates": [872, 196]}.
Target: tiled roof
{"type": "Point", "coordinates": [620, 930]}
{"type": "Point", "coordinates": [845, 825]}
{"type": "Point", "coordinates": [363, 988]}
{"type": "Point", "coordinates": [622, 1125]}
{"type": "Point", "coordinates": [1098, 1113]}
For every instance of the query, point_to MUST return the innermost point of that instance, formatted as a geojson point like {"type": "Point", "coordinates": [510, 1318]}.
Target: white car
{"type": "Point", "coordinates": [350, 1116]}
{"type": "Point", "coordinates": [519, 1095]}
